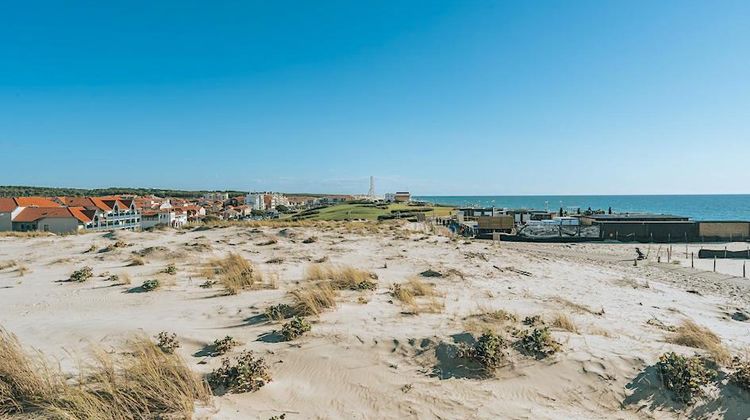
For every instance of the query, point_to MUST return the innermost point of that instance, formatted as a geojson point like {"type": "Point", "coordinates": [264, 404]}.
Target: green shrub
{"type": "Point", "coordinates": [533, 321]}
{"type": "Point", "coordinates": [295, 328]}
{"type": "Point", "coordinates": [167, 342]}
{"type": "Point", "coordinates": [684, 376]}
{"type": "Point", "coordinates": [150, 285]}
{"type": "Point", "coordinates": [171, 269]}
{"type": "Point", "coordinates": [247, 374]}
{"type": "Point", "coordinates": [489, 350]}
{"type": "Point", "coordinates": [208, 284]}
{"type": "Point", "coordinates": [538, 343]}
{"type": "Point", "coordinates": [279, 311]}
{"type": "Point", "coordinates": [741, 374]}
{"type": "Point", "coordinates": [222, 346]}
{"type": "Point", "coordinates": [81, 275]}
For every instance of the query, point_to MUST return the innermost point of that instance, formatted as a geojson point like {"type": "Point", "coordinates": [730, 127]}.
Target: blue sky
{"type": "Point", "coordinates": [436, 97]}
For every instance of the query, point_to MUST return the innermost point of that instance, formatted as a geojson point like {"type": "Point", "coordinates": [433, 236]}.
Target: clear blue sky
{"type": "Point", "coordinates": [436, 97]}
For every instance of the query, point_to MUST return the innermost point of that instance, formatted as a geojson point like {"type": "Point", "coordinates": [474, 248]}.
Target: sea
{"type": "Point", "coordinates": [697, 207]}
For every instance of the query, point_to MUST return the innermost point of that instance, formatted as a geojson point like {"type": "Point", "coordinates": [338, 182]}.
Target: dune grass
{"type": "Point", "coordinates": [312, 299]}
{"type": "Point", "coordinates": [141, 382]}
{"type": "Point", "coordinates": [690, 334]}
{"type": "Point", "coordinates": [414, 288]}
{"type": "Point", "coordinates": [342, 278]}
{"type": "Point", "coordinates": [564, 322]}
{"type": "Point", "coordinates": [234, 272]}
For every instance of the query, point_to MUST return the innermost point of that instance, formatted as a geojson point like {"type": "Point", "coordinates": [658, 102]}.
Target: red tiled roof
{"type": "Point", "coordinates": [32, 214]}
{"type": "Point", "coordinates": [10, 204]}
{"type": "Point", "coordinates": [7, 204]}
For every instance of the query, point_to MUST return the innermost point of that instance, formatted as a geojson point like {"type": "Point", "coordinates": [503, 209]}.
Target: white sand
{"type": "Point", "coordinates": [371, 360]}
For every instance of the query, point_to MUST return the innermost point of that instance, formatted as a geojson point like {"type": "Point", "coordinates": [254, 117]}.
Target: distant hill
{"type": "Point", "coordinates": [22, 191]}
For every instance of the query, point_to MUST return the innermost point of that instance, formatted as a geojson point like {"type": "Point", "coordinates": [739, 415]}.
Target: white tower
{"type": "Point", "coordinates": [371, 193]}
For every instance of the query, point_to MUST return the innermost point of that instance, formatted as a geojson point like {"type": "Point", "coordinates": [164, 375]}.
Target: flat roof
{"type": "Point", "coordinates": [643, 216]}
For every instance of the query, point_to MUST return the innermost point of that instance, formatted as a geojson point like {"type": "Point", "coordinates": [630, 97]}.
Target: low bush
{"type": "Point", "coordinates": [538, 343]}
{"type": "Point", "coordinates": [295, 328]}
{"type": "Point", "coordinates": [207, 284]}
{"type": "Point", "coordinates": [247, 374]}
{"type": "Point", "coordinates": [684, 376]}
{"type": "Point", "coordinates": [533, 320]}
{"type": "Point", "coordinates": [81, 275]}
{"type": "Point", "coordinates": [167, 342]}
{"type": "Point", "coordinates": [490, 350]}
{"type": "Point", "coordinates": [150, 285]}
{"type": "Point", "coordinates": [171, 269]}
{"type": "Point", "coordinates": [741, 374]}
{"type": "Point", "coordinates": [222, 346]}
{"type": "Point", "coordinates": [279, 311]}
{"type": "Point", "coordinates": [310, 240]}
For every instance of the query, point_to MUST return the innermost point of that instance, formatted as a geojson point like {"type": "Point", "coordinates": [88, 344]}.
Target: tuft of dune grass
{"type": "Point", "coordinates": [690, 334]}
{"type": "Point", "coordinates": [136, 261]}
{"type": "Point", "coordinates": [235, 273]}
{"type": "Point", "coordinates": [140, 382]}
{"type": "Point", "coordinates": [564, 322]}
{"type": "Point", "coordinates": [341, 278]}
{"type": "Point", "coordinates": [313, 298]}
{"type": "Point", "coordinates": [414, 288]}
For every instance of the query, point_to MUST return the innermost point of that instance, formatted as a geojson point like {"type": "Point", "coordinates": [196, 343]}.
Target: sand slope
{"type": "Point", "coordinates": [372, 360]}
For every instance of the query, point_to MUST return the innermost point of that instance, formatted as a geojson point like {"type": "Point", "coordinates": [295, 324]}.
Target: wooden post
{"type": "Point", "coordinates": [744, 273]}
{"type": "Point", "coordinates": [714, 263]}
{"type": "Point", "coordinates": [692, 260]}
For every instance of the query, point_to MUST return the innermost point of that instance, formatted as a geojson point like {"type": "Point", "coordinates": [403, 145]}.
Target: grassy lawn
{"type": "Point", "coordinates": [360, 211]}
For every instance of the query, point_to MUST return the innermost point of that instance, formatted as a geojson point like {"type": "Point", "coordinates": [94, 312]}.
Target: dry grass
{"type": "Point", "coordinates": [313, 298]}
{"type": "Point", "coordinates": [22, 270]}
{"type": "Point", "coordinates": [576, 306]}
{"type": "Point", "coordinates": [29, 234]}
{"type": "Point", "coordinates": [488, 320]}
{"type": "Point", "coordinates": [7, 264]}
{"type": "Point", "coordinates": [124, 278]}
{"type": "Point", "coordinates": [142, 382]}
{"type": "Point", "coordinates": [414, 288]}
{"type": "Point", "coordinates": [341, 278]}
{"type": "Point", "coordinates": [690, 334]}
{"type": "Point", "coordinates": [234, 272]}
{"type": "Point", "coordinates": [136, 261]}
{"type": "Point", "coordinates": [564, 322]}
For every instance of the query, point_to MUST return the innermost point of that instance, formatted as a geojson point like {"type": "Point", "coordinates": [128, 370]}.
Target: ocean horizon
{"type": "Point", "coordinates": [697, 207]}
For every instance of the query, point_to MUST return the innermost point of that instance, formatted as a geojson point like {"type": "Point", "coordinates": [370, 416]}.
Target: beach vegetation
{"type": "Point", "coordinates": [167, 342]}
{"type": "Point", "coordinates": [294, 328]}
{"type": "Point", "coordinates": [81, 275]}
{"type": "Point", "coordinates": [690, 334]}
{"type": "Point", "coordinates": [247, 374]}
{"type": "Point", "coordinates": [684, 376]}
{"type": "Point", "coordinates": [538, 343]}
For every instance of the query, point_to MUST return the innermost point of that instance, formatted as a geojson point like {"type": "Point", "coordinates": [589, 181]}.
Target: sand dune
{"type": "Point", "coordinates": [371, 357]}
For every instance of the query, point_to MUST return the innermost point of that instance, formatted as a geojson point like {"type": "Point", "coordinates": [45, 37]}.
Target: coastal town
{"type": "Point", "coordinates": [64, 215]}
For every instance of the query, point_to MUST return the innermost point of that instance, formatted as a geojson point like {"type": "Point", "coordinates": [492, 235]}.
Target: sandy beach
{"type": "Point", "coordinates": [373, 356]}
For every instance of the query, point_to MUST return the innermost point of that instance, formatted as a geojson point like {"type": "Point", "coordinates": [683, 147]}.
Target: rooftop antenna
{"type": "Point", "coordinates": [371, 193]}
